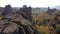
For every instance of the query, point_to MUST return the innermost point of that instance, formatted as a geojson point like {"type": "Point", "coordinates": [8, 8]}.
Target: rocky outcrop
{"type": "Point", "coordinates": [26, 12]}
{"type": "Point", "coordinates": [16, 24]}
{"type": "Point", "coordinates": [7, 10]}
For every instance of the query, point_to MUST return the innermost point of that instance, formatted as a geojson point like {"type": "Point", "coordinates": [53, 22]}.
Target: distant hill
{"type": "Point", "coordinates": [39, 9]}
{"type": "Point", "coordinates": [16, 9]}
{"type": "Point", "coordinates": [57, 7]}
{"type": "Point", "coordinates": [1, 9]}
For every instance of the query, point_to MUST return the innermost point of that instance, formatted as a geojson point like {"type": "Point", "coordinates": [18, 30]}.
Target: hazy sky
{"type": "Point", "coordinates": [33, 3]}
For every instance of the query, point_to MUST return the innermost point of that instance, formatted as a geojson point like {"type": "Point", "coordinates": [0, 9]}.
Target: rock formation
{"type": "Point", "coordinates": [7, 10]}
{"type": "Point", "coordinates": [18, 22]}
{"type": "Point", "coordinates": [26, 12]}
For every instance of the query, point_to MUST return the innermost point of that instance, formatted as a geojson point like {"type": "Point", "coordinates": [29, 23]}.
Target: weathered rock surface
{"type": "Point", "coordinates": [17, 25]}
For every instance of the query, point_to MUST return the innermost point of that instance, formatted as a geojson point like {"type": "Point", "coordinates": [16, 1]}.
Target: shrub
{"type": "Point", "coordinates": [43, 29]}
{"type": "Point", "coordinates": [58, 29]}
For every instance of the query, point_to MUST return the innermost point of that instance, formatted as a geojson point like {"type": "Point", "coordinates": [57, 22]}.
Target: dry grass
{"type": "Point", "coordinates": [43, 29]}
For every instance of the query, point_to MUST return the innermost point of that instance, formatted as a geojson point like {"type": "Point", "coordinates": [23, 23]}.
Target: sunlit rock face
{"type": "Point", "coordinates": [7, 10]}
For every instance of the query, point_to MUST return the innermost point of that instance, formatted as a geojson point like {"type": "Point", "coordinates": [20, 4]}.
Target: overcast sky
{"type": "Point", "coordinates": [33, 3]}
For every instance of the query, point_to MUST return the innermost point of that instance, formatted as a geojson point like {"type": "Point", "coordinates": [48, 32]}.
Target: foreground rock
{"type": "Point", "coordinates": [16, 24]}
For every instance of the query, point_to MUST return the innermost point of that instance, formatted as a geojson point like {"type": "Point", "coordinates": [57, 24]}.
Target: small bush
{"type": "Point", "coordinates": [43, 29]}
{"type": "Point", "coordinates": [58, 29]}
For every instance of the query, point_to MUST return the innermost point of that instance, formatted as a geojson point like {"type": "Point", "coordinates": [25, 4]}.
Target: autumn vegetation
{"type": "Point", "coordinates": [46, 24]}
